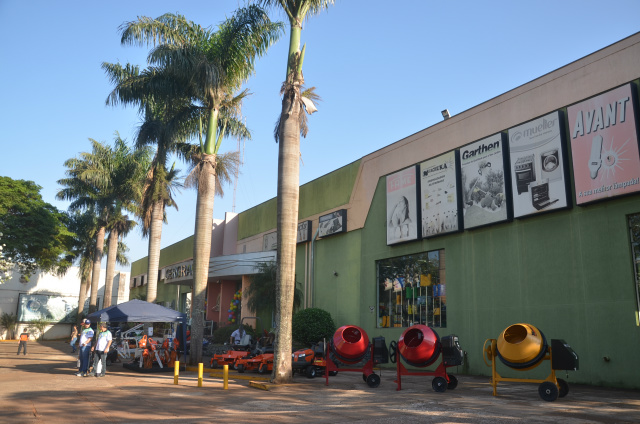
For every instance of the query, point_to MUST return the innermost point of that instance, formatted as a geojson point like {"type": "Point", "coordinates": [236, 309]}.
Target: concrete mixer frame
{"type": "Point", "coordinates": [549, 389]}
{"type": "Point", "coordinates": [441, 382]}
{"type": "Point", "coordinates": [368, 375]}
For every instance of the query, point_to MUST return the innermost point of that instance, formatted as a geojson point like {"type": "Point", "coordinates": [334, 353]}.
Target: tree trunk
{"type": "Point", "coordinates": [201, 254]}
{"type": "Point", "coordinates": [155, 234]}
{"type": "Point", "coordinates": [111, 266]}
{"type": "Point", "coordinates": [287, 221]}
{"type": "Point", "coordinates": [95, 273]}
{"type": "Point", "coordinates": [82, 296]}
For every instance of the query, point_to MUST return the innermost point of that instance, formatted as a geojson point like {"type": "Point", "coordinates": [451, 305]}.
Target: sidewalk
{"type": "Point", "coordinates": [42, 388]}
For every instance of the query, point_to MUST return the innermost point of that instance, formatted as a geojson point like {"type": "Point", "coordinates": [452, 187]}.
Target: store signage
{"type": "Point", "coordinates": [333, 223]}
{"type": "Point", "coordinates": [484, 194]}
{"type": "Point", "coordinates": [538, 174]}
{"type": "Point", "coordinates": [402, 211]}
{"type": "Point", "coordinates": [182, 271]}
{"type": "Point", "coordinates": [604, 146]}
{"type": "Point", "coordinates": [439, 198]}
{"type": "Point", "coordinates": [304, 232]}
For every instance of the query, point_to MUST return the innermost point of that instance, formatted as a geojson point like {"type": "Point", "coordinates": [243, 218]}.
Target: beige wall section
{"type": "Point", "coordinates": [593, 74]}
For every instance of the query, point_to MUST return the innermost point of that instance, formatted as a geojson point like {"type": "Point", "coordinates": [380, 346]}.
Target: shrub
{"type": "Point", "coordinates": [311, 325]}
{"type": "Point", "coordinates": [9, 321]}
{"type": "Point", "coordinates": [223, 334]}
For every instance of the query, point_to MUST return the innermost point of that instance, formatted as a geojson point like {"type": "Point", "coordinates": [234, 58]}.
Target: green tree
{"type": "Point", "coordinates": [109, 180]}
{"type": "Point", "coordinates": [291, 125]}
{"type": "Point", "coordinates": [208, 68]}
{"type": "Point", "coordinates": [34, 233]}
{"type": "Point", "coordinates": [261, 293]}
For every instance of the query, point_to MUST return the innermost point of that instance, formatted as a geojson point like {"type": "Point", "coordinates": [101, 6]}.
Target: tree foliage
{"type": "Point", "coordinates": [261, 294]}
{"type": "Point", "coordinates": [312, 325]}
{"type": "Point", "coordinates": [35, 233]}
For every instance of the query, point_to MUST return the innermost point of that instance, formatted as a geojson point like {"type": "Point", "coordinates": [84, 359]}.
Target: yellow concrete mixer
{"type": "Point", "coordinates": [524, 347]}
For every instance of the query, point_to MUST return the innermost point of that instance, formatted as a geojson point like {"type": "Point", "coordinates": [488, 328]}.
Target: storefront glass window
{"type": "Point", "coordinates": [412, 290]}
{"type": "Point", "coordinates": [634, 233]}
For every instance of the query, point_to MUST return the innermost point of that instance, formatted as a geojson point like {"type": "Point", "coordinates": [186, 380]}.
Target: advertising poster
{"type": "Point", "coordinates": [270, 241]}
{"type": "Point", "coordinates": [402, 211]}
{"type": "Point", "coordinates": [439, 195]}
{"type": "Point", "coordinates": [304, 232]}
{"type": "Point", "coordinates": [51, 308]}
{"type": "Point", "coordinates": [483, 184]}
{"type": "Point", "coordinates": [604, 145]}
{"type": "Point", "coordinates": [537, 166]}
{"type": "Point", "coordinates": [333, 223]}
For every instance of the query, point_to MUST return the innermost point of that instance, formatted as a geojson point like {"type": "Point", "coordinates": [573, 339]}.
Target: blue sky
{"type": "Point", "coordinates": [384, 72]}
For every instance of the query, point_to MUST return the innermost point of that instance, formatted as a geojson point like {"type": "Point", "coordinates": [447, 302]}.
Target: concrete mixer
{"type": "Point", "coordinates": [351, 350]}
{"type": "Point", "coordinates": [420, 346]}
{"type": "Point", "coordinates": [523, 347]}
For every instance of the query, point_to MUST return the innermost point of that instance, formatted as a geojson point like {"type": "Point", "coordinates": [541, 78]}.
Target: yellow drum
{"type": "Point", "coordinates": [521, 346]}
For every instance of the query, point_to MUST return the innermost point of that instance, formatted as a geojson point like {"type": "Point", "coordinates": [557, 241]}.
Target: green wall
{"type": "Point", "coordinates": [319, 195]}
{"type": "Point", "coordinates": [569, 273]}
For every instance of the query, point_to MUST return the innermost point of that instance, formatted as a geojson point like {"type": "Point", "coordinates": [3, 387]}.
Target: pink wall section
{"type": "Point", "coordinates": [226, 289]}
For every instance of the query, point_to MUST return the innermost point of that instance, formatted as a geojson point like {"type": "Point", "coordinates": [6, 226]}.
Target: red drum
{"type": "Point", "coordinates": [350, 344]}
{"type": "Point", "coordinates": [419, 345]}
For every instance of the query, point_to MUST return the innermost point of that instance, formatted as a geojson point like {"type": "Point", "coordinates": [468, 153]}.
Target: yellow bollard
{"type": "Point", "coordinates": [200, 374]}
{"type": "Point", "coordinates": [176, 372]}
{"type": "Point", "coordinates": [225, 378]}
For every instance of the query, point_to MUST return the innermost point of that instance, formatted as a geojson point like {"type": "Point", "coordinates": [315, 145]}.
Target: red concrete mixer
{"type": "Point", "coordinates": [420, 346]}
{"type": "Point", "coordinates": [351, 350]}
{"type": "Point", "coordinates": [523, 347]}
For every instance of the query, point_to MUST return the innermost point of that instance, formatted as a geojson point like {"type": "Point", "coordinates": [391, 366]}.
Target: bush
{"type": "Point", "coordinates": [223, 334]}
{"type": "Point", "coordinates": [9, 322]}
{"type": "Point", "coordinates": [309, 326]}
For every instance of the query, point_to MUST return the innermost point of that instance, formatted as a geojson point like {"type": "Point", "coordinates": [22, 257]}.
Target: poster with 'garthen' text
{"type": "Point", "coordinates": [402, 213]}
{"type": "Point", "coordinates": [439, 196]}
{"type": "Point", "coordinates": [483, 185]}
{"type": "Point", "coordinates": [537, 166]}
{"type": "Point", "coordinates": [604, 145]}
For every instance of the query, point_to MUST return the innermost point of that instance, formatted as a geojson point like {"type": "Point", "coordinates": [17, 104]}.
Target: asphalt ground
{"type": "Point", "coordinates": [41, 388]}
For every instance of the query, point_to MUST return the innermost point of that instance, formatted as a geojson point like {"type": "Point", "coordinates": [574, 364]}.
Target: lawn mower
{"type": "Point", "coordinates": [311, 361]}
{"type": "Point", "coordinates": [260, 359]}
{"type": "Point", "coordinates": [235, 352]}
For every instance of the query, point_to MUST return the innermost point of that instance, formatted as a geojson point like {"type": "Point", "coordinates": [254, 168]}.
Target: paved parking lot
{"type": "Point", "coordinates": [42, 388]}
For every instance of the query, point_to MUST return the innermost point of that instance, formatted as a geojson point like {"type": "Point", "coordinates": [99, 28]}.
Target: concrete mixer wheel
{"type": "Point", "coordinates": [453, 382]}
{"type": "Point", "coordinates": [439, 384]}
{"type": "Point", "coordinates": [373, 380]}
{"type": "Point", "coordinates": [564, 388]}
{"type": "Point", "coordinates": [548, 391]}
{"type": "Point", "coordinates": [393, 351]}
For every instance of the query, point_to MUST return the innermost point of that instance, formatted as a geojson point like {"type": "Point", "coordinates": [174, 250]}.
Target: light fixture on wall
{"type": "Point", "coordinates": [445, 114]}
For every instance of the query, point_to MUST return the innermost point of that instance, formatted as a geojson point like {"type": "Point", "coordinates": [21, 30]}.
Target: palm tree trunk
{"type": "Point", "coordinates": [82, 296]}
{"type": "Point", "coordinates": [155, 234]}
{"type": "Point", "coordinates": [287, 220]}
{"type": "Point", "coordinates": [111, 266]}
{"type": "Point", "coordinates": [95, 273]}
{"type": "Point", "coordinates": [201, 254]}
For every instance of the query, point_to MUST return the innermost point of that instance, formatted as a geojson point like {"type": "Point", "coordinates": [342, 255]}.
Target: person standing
{"type": "Point", "coordinates": [74, 337]}
{"type": "Point", "coordinates": [101, 349]}
{"type": "Point", "coordinates": [85, 348]}
{"type": "Point", "coordinates": [24, 337]}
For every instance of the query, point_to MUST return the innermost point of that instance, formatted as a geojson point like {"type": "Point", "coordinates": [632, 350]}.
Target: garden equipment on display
{"type": "Point", "coordinates": [523, 347]}
{"type": "Point", "coordinates": [351, 350]}
{"type": "Point", "coordinates": [420, 346]}
{"type": "Point", "coordinates": [311, 361]}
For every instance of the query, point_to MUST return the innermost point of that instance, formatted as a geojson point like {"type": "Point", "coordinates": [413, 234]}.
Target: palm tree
{"type": "Point", "coordinates": [85, 226]}
{"type": "Point", "coordinates": [261, 293]}
{"type": "Point", "coordinates": [208, 68]}
{"type": "Point", "coordinates": [107, 180]}
{"type": "Point", "coordinates": [291, 124]}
